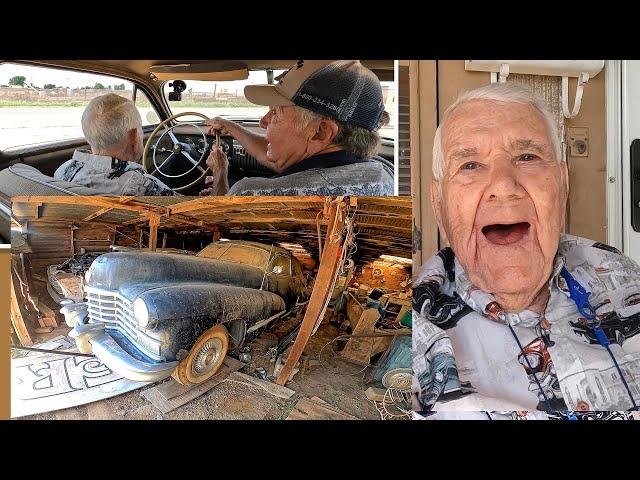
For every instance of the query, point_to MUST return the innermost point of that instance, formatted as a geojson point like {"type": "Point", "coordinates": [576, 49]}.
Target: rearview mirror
{"type": "Point", "coordinates": [178, 87]}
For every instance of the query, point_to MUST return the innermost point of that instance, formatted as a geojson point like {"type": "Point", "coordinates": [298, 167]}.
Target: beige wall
{"type": "Point", "coordinates": [586, 211]}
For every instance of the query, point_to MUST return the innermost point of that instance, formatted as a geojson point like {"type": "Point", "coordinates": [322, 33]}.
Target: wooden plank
{"type": "Point", "coordinates": [423, 98]}
{"type": "Point", "coordinates": [17, 320]}
{"type": "Point", "coordinates": [167, 405]}
{"type": "Point", "coordinates": [269, 387]}
{"type": "Point", "coordinates": [206, 202]}
{"type": "Point", "coordinates": [154, 221]}
{"type": "Point", "coordinates": [380, 344]}
{"type": "Point", "coordinates": [142, 218]}
{"type": "Point", "coordinates": [322, 289]}
{"type": "Point", "coordinates": [317, 409]}
{"type": "Point", "coordinates": [172, 389]}
{"type": "Point", "coordinates": [131, 206]}
{"type": "Point", "coordinates": [360, 349]}
{"type": "Point", "coordinates": [375, 394]}
{"type": "Point", "coordinates": [96, 214]}
{"type": "Point", "coordinates": [354, 311]}
{"type": "Point", "coordinates": [189, 221]}
{"type": "Point", "coordinates": [72, 241]}
{"type": "Point", "coordinates": [47, 316]}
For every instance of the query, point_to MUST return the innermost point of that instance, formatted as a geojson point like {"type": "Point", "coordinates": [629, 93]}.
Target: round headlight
{"type": "Point", "coordinates": [141, 312]}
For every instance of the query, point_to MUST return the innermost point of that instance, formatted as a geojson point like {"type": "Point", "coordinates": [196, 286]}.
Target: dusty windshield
{"type": "Point", "coordinates": [226, 99]}
{"type": "Point", "coordinates": [234, 253]}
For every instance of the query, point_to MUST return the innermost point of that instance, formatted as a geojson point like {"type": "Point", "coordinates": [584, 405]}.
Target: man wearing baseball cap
{"type": "Point", "coordinates": [321, 134]}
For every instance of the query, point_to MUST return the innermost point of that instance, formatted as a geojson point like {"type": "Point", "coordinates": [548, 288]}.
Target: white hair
{"type": "Point", "coordinates": [504, 93]}
{"type": "Point", "coordinates": [108, 119]}
{"type": "Point", "coordinates": [354, 139]}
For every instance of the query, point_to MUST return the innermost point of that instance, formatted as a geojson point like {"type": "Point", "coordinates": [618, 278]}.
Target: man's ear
{"type": "Point", "coordinates": [565, 176]}
{"type": "Point", "coordinates": [436, 203]}
{"type": "Point", "coordinates": [325, 132]}
{"type": "Point", "coordinates": [132, 138]}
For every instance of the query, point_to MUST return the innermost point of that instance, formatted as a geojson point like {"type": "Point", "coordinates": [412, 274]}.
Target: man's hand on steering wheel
{"type": "Point", "coordinates": [220, 125]}
{"type": "Point", "coordinates": [218, 183]}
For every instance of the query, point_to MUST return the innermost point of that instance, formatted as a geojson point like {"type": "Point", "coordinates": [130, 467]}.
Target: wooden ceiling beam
{"type": "Point", "coordinates": [206, 202]}
{"type": "Point", "coordinates": [96, 214]}
{"type": "Point", "coordinates": [97, 201]}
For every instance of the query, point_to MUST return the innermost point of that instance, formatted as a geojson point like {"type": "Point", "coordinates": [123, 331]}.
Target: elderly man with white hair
{"type": "Point", "coordinates": [516, 319]}
{"type": "Point", "coordinates": [321, 134]}
{"type": "Point", "coordinates": [113, 129]}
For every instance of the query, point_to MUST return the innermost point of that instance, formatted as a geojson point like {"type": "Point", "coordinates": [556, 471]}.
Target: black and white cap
{"type": "Point", "coordinates": [344, 90]}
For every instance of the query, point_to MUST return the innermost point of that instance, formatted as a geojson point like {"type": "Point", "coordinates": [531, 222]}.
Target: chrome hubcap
{"type": "Point", "coordinates": [207, 357]}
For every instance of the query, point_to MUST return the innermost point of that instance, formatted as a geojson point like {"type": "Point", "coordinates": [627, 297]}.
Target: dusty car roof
{"type": "Point", "coordinates": [262, 246]}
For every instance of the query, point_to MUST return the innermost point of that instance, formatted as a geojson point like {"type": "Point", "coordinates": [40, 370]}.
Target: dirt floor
{"type": "Point", "coordinates": [337, 382]}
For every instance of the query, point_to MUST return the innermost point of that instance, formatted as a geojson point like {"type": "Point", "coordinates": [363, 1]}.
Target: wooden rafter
{"type": "Point", "coordinates": [97, 201]}
{"type": "Point", "coordinates": [208, 202]}
{"type": "Point", "coordinates": [154, 221]}
{"type": "Point", "coordinates": [96, 214]}
{"type": "Point", "coordinates": [141, 219]}
{"type": "Point", "coordinates": [322, 289]}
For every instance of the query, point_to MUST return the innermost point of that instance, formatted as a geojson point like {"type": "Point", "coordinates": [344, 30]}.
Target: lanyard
{"type": "Point", "coordinates": [581, 298]}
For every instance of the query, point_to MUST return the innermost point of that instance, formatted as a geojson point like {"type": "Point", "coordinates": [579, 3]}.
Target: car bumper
{"type": "Point", "coordinates": [93, 338]}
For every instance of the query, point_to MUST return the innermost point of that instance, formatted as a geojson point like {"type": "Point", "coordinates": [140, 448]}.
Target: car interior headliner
{"type": "Point", "coordinates": [140, 70]}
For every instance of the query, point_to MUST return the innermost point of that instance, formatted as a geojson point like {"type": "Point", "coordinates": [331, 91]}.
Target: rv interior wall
{"type": "Point", "coordinates": [587, 212]}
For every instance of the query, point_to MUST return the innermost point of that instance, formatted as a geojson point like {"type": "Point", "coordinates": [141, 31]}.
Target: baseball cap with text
{"type": "Point", "coordinates": [344, 90]}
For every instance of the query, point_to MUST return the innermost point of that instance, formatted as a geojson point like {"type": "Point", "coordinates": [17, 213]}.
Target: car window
{"type": "Point", "coordinates": [389, 97]}
{"type": "Point", "coordinates": [213, 251]}
{"type": "Point", "coordinates": [223, 99]}
{"type": "Point", "coordinates": [244, 254]}
{"type": "Point", "coordinates": [147, 112]}
{"type": "Point", "coordinates": [41, 105]}
{"type": "Point", "coordinates": [226, 99]}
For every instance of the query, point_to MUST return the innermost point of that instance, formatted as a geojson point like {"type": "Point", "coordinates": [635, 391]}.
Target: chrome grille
{"type": "Point", "coordinates": [116, 312]}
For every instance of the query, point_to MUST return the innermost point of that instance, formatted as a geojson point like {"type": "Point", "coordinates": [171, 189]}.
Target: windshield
{"type": "Point", "coordinates": [229, 252]}
{"type": "Point", "coordinates": [226, 99]}
{"type": "Point", "coordinates": [45, 104]}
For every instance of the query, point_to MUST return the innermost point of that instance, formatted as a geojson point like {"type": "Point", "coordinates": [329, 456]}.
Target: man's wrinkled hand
{"type": "Point", "coordinates": [217, 183]}
{"type": "Point", "coordinates": [219, 125]}
{"type": "Point", "coordinates": [217, 161]}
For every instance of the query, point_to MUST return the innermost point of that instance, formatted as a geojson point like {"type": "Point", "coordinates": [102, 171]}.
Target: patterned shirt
{"type": "Point", "coordinates": [467, 358]}
{"type": "Point", "coordinates": [367, 178]}
{"type": "Point", "coordinates": [110, 176]}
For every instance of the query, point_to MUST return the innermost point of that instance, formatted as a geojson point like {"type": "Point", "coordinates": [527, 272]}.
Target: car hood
{"type": "Point", "coordinates": [113, 270]}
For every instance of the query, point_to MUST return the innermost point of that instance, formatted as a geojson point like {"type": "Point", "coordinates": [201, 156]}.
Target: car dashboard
{"type": "Point", "coordinates": [241, 163]}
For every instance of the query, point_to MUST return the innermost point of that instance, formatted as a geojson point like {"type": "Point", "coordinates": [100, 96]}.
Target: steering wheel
{"type": "Point", "coordinates": [179, 150]}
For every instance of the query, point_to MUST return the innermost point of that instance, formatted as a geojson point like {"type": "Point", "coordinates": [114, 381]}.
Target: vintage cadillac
{"type": "Point", "coordinates": [65, 281]}
{"type": "Point", "coordinates": [149, 315]}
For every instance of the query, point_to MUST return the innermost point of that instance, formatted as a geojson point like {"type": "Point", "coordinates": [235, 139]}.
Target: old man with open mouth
{"type": "Point", "coordinates": [516, 319]}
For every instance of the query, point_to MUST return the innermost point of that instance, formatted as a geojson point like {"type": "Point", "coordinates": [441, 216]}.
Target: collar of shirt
{"type": "Point", "coordinates": [477, 299]}
{"type": "Point", "coordinates": [323, 160]}
{"type": "Point", "coordinates": [101, 163]}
